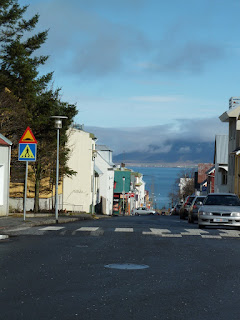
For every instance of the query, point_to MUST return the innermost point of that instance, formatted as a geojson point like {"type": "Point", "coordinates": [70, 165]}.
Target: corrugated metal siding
{"type": "Point", "coordinates": [221, 149]}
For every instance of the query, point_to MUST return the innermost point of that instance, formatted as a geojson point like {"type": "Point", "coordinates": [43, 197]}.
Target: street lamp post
{"type": "Point", "coordinates": [123, 194]}
{"type": "Point", "coordinates": [58, 126]}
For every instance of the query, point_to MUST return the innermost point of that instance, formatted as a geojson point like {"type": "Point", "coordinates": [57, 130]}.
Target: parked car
{"type": "Point", "coordinates": [219, 209]}
{"type": "Point", "coordinates": [176, 209]}
{"type": "Point", "coordinates": [193, 210]}
{"type": "Point", "coordinates": [185, 206]}
{"type": "Point", "coordinates": [143, 211]}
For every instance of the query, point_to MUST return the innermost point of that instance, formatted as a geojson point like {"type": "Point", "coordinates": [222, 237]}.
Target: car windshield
{"type": "Point", "coordinates": [222, 200]}
{"type": "Point", "coordinates": [191, 200]}
{"type": "Point", "coordinates": [198, 199]}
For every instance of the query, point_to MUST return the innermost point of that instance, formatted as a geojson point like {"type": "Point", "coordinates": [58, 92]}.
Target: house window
{"type": "Point", "coordinates": [224, 177]}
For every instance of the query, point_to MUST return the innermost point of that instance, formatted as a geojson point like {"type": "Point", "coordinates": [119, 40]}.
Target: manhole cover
{"type": "Point", "coordinates": [126, 266]}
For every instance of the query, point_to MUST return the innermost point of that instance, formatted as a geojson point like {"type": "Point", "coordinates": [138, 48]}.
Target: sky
{"type": "Point", "coordinates": [143, 68]}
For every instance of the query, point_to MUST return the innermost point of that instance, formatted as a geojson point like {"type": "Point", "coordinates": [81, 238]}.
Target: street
{"type": "Point", "coordinates": [166, 269]}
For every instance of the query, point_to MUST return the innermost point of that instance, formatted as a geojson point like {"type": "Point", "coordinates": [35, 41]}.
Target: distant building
{"type": "Point", "coordinates": [122, 182]}
{"type": "Point", "coordinates": [105, 168]}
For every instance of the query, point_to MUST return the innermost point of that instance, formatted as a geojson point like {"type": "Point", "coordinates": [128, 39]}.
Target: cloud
{"type": "Point", "coordinates": [159, 139]}
{"type": "Point", "coordinates": [85, 39]}
{"type": "Point", "coordinates": [192, 56]}
{"type": "Point", "coordinates": [89, 42]}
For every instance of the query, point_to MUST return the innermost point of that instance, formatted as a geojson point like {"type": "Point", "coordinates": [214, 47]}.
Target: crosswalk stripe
{"type": "Point", "coordinates": [193, 232]}
{"type": "Point", "coordinates": [210, 237]}
{"type": "Point", "coordinates": [51, 228]}
{"type": "Point", "coordinates": [88, 229]}
{"type": "Point", "coordinates": [123, 230]}
{"type": "Point", "coordinates": [230, 233]}
{"type": "Point", "coordinates": [165, 233]}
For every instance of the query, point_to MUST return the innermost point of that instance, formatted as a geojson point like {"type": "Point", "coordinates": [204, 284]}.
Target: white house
{"type": "Point", "coordinates": [139, 186]}
{"type": "Point", "coordinates": [78, 189]}
{"type": "Point", "coordinates": [5, 158]}
{"type": "Point", "coordinates": [105, 169]}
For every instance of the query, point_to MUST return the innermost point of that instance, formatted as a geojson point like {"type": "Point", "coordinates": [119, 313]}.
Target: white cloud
{"type": "Point", "coordinates": [159, 138]}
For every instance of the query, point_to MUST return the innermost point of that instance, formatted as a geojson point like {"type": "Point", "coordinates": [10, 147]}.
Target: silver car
{"type": "Point", "coordinates": [194, 207]}
{"type": "Point", "coordinates": [144, 211]}
{"type": "Point", "coordinates": [219, 209]}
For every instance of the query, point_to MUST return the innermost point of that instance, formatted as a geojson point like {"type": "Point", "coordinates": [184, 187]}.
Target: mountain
{"type": "Point", "coordinates": [178, 153]}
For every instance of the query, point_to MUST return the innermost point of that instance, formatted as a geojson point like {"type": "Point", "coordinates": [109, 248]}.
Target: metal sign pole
{"type": "Point", "coordinates": [57, 175]}
{"type": "Point", "coordinates": [25, 192]}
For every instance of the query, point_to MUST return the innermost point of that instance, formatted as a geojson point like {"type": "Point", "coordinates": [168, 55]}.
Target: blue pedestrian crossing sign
{"type": "Point", "coordinates": [27, 152]}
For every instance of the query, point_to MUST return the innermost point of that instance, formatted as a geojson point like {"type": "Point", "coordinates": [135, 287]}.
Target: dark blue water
{"type": "Point", "coordinates": [159, 181]}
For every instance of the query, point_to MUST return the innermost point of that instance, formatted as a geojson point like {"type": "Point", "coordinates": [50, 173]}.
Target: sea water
{"type": "Point", "coordinates": [159, 182]}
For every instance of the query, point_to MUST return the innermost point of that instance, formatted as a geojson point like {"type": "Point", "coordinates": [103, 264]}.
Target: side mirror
{"type": "Point", "coordinates": [199, 203]}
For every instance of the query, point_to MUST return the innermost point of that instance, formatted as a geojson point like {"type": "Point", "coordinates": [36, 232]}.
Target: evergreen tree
{"type": "Point", "coordinates": [20, 75]}
{"type": "Point", "coordinates": [19, 68]}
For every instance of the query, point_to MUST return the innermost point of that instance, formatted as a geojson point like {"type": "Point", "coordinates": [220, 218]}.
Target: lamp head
{"type": "Point", "coordinates": [58, 121]}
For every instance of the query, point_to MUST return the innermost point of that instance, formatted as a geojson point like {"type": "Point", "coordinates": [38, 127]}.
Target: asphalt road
{"type": "Point", "coordinates": [181, 272]}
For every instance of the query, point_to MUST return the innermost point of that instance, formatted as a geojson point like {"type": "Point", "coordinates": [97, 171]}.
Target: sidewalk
{"type": "Point", "coordinates": [15, 222]}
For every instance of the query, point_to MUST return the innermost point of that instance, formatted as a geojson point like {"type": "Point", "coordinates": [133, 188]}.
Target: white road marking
{"type": "Point", "coordinates": [193, 232]}
{"type": "Point", "coordinates": [123, 230]}
{"type": "Point", "coordinates": [3, 236]}
{"type": "Point", "coordinates": [211, 237]}
{"type": "Point", "coordinates": [88, 229]}
{"type": "Point", "coordinates": [51, 228]}
{"type": "Point", "coordinates": [161, 232]}
{"type": "Point", "coordinates": [230, 233]}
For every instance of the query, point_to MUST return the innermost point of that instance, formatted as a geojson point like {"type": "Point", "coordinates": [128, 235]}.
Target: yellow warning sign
{"type": "Point", "coordinates": [27, 153]}
{"type": "Point", "coordinates": [28, 137]}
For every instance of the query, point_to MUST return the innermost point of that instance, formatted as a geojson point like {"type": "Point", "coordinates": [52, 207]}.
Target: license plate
{"type": "Point", "coordinates": [220, 220]}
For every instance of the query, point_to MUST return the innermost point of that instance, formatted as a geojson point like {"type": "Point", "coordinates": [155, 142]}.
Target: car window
{"type": "Point", "coordinates": [222, 200]}
{"type": "Point", "coordinates": [191, 200]}
{"type": "Point", "coordinates": [200, 199]}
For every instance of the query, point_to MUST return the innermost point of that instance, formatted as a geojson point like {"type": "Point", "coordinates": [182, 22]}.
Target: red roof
{"type": "Point", "coordinates": [3, 143]}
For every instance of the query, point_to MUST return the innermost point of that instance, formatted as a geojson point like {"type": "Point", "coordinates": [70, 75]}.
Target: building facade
{"type": "Point", "coordinates": [79, 190]}
{"type": "Point", "coordinates": [232, 117]}
{"type": "Point", "coordinates": [105, 168]}
{"type": "Point", "coordinates": [221, 163]}
{"type": "Point", "coordinates": [5, 159]}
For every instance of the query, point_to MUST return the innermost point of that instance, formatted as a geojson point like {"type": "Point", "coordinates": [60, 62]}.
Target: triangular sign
{"type": "Point", "coordinates": [28, 137]}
